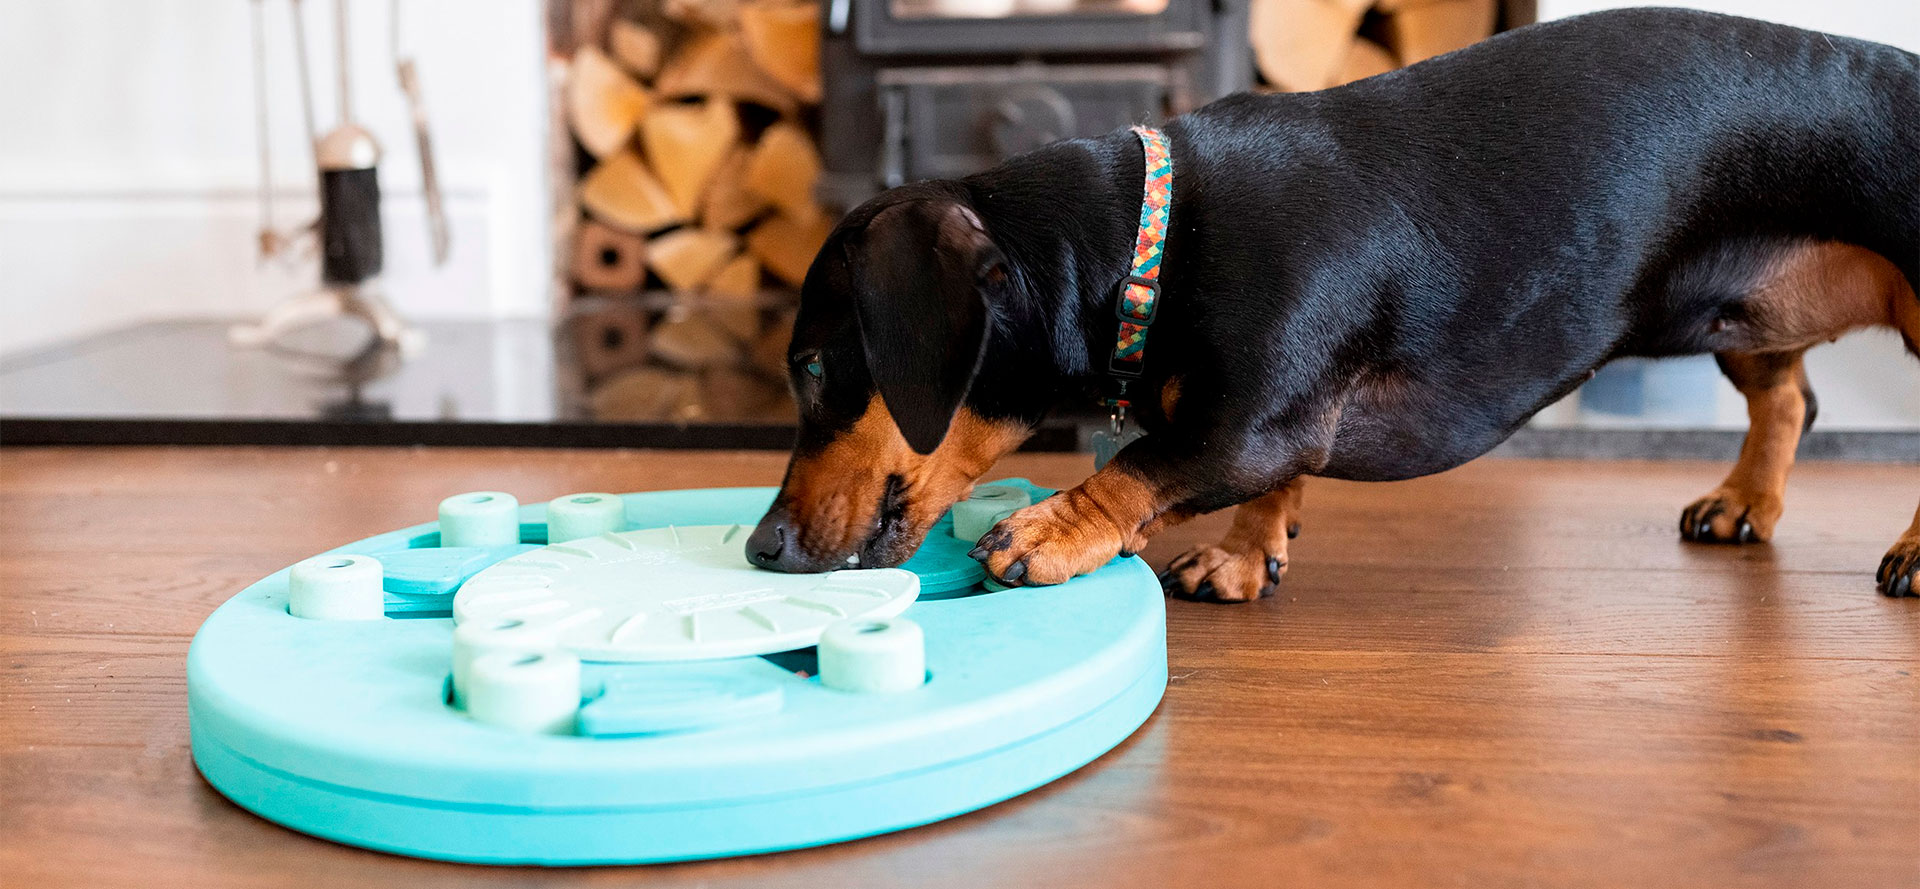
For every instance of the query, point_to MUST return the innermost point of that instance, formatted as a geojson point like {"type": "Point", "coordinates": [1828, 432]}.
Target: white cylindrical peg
{"type": "Point", "coordinates": [867, 655]}
{"type": "Point", "coordinates": [480, 518]}
{"type": "Point", "coordinates": [535, 692]}
{"type": "Point", "coordinates": [337, 588]}
{"type": "Point", "coordinates": [475, 639]}
{"type": "Point", "coordinates": [976, 515]}
{"type": "Point", "coordinates": [584, 515]}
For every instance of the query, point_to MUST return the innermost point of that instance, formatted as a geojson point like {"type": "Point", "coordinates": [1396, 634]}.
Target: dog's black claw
{"type": "Point", "coordinates": [1899, 581]}
{"type": "Point", "coordinates": [1269, 590]}
{"type": "Point", "coordinates": [978, 553]}
{"type": "Point", "coordinates": [1746, 531]}
{"type": "Point", "coordinates": [1293, 530]}
{"type": "Point", "coordinates": [1880, 576]}
{"type": "Point", "coordinates": [1273, 570]}
{"type": "Point", "coordinates": [1205, 592]}
{"type": "Point", "coordinates": [1014, 574]}
{"type": "Point", "coordinates": [1127, 554]}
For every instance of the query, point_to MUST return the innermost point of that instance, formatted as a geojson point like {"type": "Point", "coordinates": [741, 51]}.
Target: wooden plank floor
{"type": "Point", "coordinates": [1512, 674]}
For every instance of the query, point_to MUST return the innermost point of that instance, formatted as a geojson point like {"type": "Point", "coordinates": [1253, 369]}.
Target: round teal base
{"type": "Point", "coordinates": [343, 729]}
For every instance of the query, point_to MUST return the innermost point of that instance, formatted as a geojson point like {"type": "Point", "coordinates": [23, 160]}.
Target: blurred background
{"type": "Point", "coordinates": [583, 221]}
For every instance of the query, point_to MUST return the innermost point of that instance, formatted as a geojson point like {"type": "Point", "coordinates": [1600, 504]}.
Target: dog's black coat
{"type": "Point", "coordinates": [1385, 279]}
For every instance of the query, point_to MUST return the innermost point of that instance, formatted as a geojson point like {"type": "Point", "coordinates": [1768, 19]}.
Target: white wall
{"type": "Point", "coordinates": [128, 161]}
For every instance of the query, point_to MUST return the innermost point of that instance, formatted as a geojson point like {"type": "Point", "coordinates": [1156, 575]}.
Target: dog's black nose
{"type": "Point", "coordinates": [768, 546]}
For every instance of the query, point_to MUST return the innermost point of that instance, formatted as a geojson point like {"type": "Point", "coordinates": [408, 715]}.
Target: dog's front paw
{"type": "Point", "coordinates": [1731, 516]}
{"type": "Point", "coordinates": [1899, 573]}
{"type": "Point", "coordinates": [1215, 574]}
{"type": "Point", "coordinates": [1050, 542]}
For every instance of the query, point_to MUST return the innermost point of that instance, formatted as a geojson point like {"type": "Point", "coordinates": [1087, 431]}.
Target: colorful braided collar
{"type": "Point", "coordinates": [1137, 298]}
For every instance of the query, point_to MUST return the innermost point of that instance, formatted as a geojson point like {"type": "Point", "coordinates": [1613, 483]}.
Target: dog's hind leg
{"type": "Point", "coordinates": [1780, 406]}
{"type": "Point", "coordinates": [1899, 573]}
{"type": "Point", "coordinates": [1811, 293]}
{"type": "Point", "coordinates": [1248, 562]}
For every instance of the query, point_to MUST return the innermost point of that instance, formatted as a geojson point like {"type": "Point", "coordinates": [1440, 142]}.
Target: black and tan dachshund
{"type": "Point", "coordinates": [1374, 282]}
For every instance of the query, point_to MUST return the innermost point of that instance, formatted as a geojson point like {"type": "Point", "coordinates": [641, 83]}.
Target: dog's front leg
{"type": "Point", "coordinates": [1248, 562]}
{"type": "Point", "coordinates": [1157, 481]}
{"type": "Point", "coordinates": [1077, 530]}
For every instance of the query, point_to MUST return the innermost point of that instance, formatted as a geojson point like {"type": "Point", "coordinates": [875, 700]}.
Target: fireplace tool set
{"type": "Point", "coordinates": [347, 231]}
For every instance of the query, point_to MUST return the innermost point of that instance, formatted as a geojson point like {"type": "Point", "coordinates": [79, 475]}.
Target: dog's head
{"type": "Point", "coordinates": [897, 418]}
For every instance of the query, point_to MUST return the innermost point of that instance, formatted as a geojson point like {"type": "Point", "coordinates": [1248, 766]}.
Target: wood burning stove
{"type": "Point", "coordinates": [917, 89]}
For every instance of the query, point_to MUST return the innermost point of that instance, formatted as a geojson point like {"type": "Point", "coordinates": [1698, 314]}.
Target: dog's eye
{"type": "Point", "coordinates": [811, 364]}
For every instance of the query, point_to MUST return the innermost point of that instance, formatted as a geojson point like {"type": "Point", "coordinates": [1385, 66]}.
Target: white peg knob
{"type": "Point", "coordinates": [864, 655]}
{"type": "Point", "coordinates": [337, 588]}
{"type": "Point", "coordinates": [480, 518]}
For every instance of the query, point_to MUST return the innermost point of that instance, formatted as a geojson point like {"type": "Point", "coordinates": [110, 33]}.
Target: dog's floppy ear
{"type": "Point", "coordinates": [926, 267]}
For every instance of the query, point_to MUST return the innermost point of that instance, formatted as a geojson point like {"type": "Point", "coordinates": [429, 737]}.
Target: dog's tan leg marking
{"type": "Point", "coordinates": [1814, 292]}
{"type": "Point", "coordinates": [1075, 531]}
{"type": "Point", "coordinates": [1745, 507]}
{"type": "Point", "coordinates": [1248, 562]}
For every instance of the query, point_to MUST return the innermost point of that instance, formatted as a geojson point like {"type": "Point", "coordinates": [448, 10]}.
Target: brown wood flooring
{"type": "Point", "coordinates": [1512, 674]}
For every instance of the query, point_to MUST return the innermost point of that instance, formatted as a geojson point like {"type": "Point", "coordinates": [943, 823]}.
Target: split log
{"type": "Point", "coordinates": [786, 245]}
{"type": "Point", "coordinates": [636, 47]}
{"type": "Point", "coordinates": [783, 39]}
{"type": "Point", "coordinates": [620, 192]}
{"type": "Point", "coordinates": [576, 23]}
{"type": "Point", "coordinates": [609, 335]}
{"type": "Point", "coordinates": [685, 144]}
{"type": "Point", "coordinates": [1431, 29]}
{"type": "Point", "coordinates": [728, 204]}
{"type": "Point", "coordinates": [603, 103]}
{"type": "Point", "coordinates": [645, 394]}
{"type": "Point", "coordinates": [605, 258]}
{"type": "Point", "coordinates": [1365, 59]}
{"type": "Point", "coordinates": [686, 258]}
{"type": "Point", "coordinates": [716, 65]}
{"type": "Point", "coordinates": [783, 169]}
{"type": "Point", "coordinates": [693, 342]}
{"type": "Point", "coordinates": [1300, 44]}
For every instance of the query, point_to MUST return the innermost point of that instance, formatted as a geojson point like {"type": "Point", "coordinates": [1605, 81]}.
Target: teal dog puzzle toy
{"type": "Point", "coordinates": [604, 679]}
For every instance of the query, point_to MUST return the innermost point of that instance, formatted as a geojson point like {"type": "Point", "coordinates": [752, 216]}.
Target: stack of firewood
{"type": "Point", "coordinates": [694, 219]}
{"type": "Point", "coordinates": [1314, 44]}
